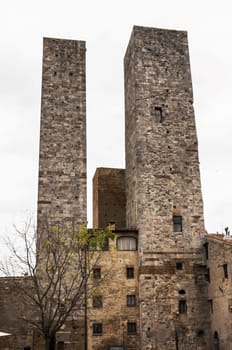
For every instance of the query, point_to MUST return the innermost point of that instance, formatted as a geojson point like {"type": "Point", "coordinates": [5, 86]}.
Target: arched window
{"type": "Point", "coordinates": [182, 292]}
{"type": "Point", "coordinates": [127, 243]}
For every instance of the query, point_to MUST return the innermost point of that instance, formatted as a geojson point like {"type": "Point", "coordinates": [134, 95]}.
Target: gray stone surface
{"type": "Point", "coordinates": [62, 164]}
{"type": "Point", "coordinates": [163, 180]}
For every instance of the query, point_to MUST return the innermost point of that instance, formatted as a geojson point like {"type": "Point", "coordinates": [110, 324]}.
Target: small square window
{"type": "Point", "coordinates": [131, 328]}
{"type": "Point", "coordinates": [179, 265]}
{"type": "Point", "coordinates": [97, 273]}
{"type": "Point", "coordinates": [131, 300]}
{"type": "Point", "coordinates": [177, 223]}
{"type": "Point", "coordinates": [130, 272]}
{"type": "Point", "coordinates": [97, 301]}
{"type": "Point", "coordinates": [97, 328]}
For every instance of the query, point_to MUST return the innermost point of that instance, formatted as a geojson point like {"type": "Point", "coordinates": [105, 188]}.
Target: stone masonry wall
{"type": "Point", "coordinates": [12, 309]}
{"type": "Point", "coordinates": [163, 181]}
{"type": "Point", "coordinates": [62, 161]}
{"type": "Point", "coordinates": [220, 289]}
{"type": "Point", "coordinates": [109, 198]}
{"type": "Point", "coordinates": [114, 286]}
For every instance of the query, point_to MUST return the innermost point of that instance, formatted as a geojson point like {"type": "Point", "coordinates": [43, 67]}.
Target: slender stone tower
{"type": "Point", "coordinates": [164, 199]}
{"type": "Point", "coordinates": [62, 162]}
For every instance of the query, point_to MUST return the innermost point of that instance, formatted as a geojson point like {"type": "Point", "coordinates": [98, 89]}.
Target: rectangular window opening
{"type": "Point", "coordinates": [182, 307]}
{"type": "Point", "coordinates": [131, 328]}
{"type": "Point", "coordinates": [130, 272]}
{"type": "Point", "coordinates": [97, 328]}
{"type": "Point", "coordinates": [211, 305]}
{"type": "Point", "coordinates": [206, 250]}
{"type": "Point", "coordinates": [225, 270]}
{"type": "Point", "coordinates": [179, 265]}
{"type": "Point", "coordinates": [158, 114]}
{"type": "Point", "coordinates": [97, 273]}
{"type": "Point", "coordinates": [177, 223]}
{"type": "Point", "coordinates": [131, 300]}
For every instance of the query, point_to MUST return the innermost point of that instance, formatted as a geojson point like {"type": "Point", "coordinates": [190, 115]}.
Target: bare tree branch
{"type": "Point", "coordinates": [56, 265]}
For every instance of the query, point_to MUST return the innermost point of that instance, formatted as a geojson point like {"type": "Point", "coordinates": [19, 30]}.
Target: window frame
{"type": "Point", "coordinates": [127, 250]}
{"type": "Point", "coordinates": [131, 328]}
{"type": "Point", "coordinates": [97, 328]}
{"type": "Point", "coordinates": [177, 222]}
{"type": "Point", "coordinates": [131, 300]}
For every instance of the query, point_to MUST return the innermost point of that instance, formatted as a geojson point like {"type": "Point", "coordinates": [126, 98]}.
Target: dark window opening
{"type": "Point", "coordinates": [131, 328]}
{"type": "Point", "coordinates": [206, 250]}
{"type": "Point", "coordinates": [127, 243]}
{"type": "Point", "coordinates": [131, 300]}
{"type": "Point", "coordinates": [97, 273]}
{"type": "Point", "coordinates": [225, 270]}
{"type": "Point", "coordinates": [158, 114]}
{"type": "Point", "coordinates": [182, 292]}
{"type": "Point", "coordinates": [27, 348]}
{"type": "Point", "coordinates": [207, 275]}
{"type": "Point", "coordinates": [179, 265]}
{"type": "Point", "coordinates": [211, 305]}
{"type": "Point", "coordinates": [177, 223]}
{"type": "Point", "coordinates": [182, 307]}
{"type": "Point", "coordinates": [97, 301]}
{"type": "Point", "coordinates": [216, 342]}
{"type": "Point", "coordinates": [130, 272]}
{"type": "Point", "coordinates": [97, 328]}
{"type": "Point", "coordinates": [200, 333]}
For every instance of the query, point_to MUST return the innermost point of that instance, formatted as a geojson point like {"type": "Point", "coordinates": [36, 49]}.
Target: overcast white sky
{"type": "Point", "coordinates": [106, 27]}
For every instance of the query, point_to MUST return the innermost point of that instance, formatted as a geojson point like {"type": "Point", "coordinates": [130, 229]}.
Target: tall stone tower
{"type": "Point", "coordinates": [62, 162]}
{"type": "Point", "coordinates": [164, 199]}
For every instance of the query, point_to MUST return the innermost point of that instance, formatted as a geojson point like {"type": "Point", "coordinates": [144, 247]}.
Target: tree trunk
{"type": "Point", "coordinates": [50, 343]}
